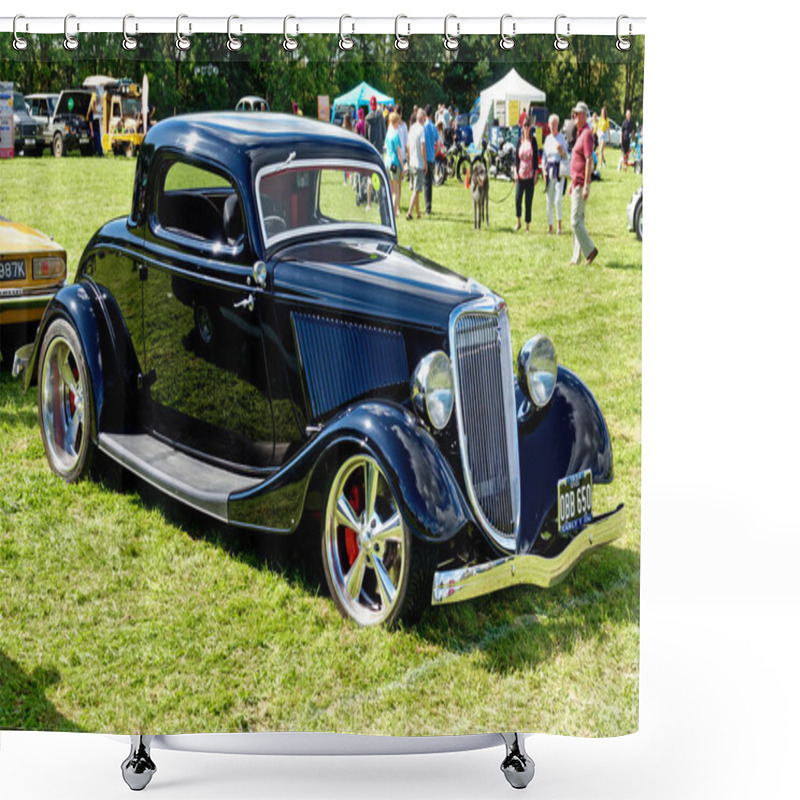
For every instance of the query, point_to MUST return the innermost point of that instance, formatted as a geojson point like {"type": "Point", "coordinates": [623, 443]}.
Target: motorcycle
{"type": "Point", "coordinates": [502, 160]}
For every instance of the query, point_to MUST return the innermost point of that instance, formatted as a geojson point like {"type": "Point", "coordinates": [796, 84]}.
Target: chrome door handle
{"type": "Point", "coordinates": [248, 303]}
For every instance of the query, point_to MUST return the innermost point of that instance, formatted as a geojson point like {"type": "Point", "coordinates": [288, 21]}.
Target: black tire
{"type": "Point", "coordinates": [354, 558]}
{"type": "Point", "coordinates": [637, 220]}
{"type": "Point", "coordinates": [57, 146]}
{"type": "Point", "coordinates": [439, 173]}
{"type": "Point", "coordinates": [461, 167]}
{"type": "Point", "coordinates": [65, 404]}
{"type": "Point", "coordinates": [87, 150]}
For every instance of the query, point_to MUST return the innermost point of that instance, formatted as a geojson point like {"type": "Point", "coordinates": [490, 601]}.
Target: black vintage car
{"type": "Point", "coordinates": [253, 341]}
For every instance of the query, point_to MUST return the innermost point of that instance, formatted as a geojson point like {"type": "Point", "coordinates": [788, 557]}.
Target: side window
{"type": "Point", "coordinates": [199, 204]}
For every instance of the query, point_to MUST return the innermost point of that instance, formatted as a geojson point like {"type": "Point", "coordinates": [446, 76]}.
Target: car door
{"type": "Point", "coordinates": [206, 376]}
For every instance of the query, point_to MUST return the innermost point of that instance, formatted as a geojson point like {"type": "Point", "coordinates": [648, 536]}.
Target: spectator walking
{"type": "Point", "coordinates": [526, 161]}
{"type": "Point", "coordinates": [361, 125]}
{"type": "Point", "coordinates": [627, 137]}
{"type": "Point", "coordinates": [556, 165]}
{"type": "Point", "coordinates": [394, 160]}
{"type": "Point", "coordinates": [417, 161]}
{"type": "Point", "coordinates": [94, 127]}
{"type": "Point", "coordinates": [376, 133]}
{"type": "Point", "coordinates": [581, 174]}
{"type": "Point", "coordinates": [430, 153]}
{"type": "Point", "coordinates": [602, 137]}
{"type": "Point", "coordinates": [403, 132]}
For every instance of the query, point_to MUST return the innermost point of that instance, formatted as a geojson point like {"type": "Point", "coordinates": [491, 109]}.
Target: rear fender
{"type": "Point", "coordinates": [427, 492]}
{"type": "Point", "coordinates": [568, 436]}
{"type": "Point", "coordinates": [79, 304]}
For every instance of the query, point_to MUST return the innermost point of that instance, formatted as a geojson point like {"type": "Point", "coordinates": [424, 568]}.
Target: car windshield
{"type": "Point", "coordinates": [19, 103]}
{"type": "Point", "coordinates": [304, 198]}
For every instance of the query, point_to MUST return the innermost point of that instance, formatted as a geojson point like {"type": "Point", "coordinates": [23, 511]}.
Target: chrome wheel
{"type": "Point", "coordinates": [65, 402]}
{"type": "Point", "coordinates": [365, 544]}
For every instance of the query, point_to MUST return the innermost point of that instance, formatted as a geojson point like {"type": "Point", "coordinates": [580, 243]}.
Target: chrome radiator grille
{"type": "Point", "coordinates": [481, 348]}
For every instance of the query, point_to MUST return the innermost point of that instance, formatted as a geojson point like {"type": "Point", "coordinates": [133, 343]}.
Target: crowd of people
{"type": "Point", "coordinates": [570, 159]}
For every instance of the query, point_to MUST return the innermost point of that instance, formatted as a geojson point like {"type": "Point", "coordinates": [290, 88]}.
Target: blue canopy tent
{"type": "Point", "coordinates": [359, 96]}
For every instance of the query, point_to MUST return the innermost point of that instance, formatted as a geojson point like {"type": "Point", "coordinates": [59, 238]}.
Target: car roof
{"type": "Point", "coordinates": [37, 95]}
{"type": "Point", "coordinates": [246, 143]}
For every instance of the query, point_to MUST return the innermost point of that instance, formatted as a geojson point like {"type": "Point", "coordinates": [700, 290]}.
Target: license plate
{"type": "Point", "coordinates": [12, 270]}
{"type": "Point", "coordinates": [30, 141]}
{"type": "Point", "coordinates": [84, 140]}
{"type": "Point", "coordinates": [574, 501]}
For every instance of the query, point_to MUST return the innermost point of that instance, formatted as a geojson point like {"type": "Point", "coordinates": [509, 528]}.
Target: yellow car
{"type": "Point", "coordinates": [32, 269]}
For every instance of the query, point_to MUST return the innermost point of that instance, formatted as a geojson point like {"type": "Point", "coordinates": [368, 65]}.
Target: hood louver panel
{"type": "Point", "coordinates": [341, 361]}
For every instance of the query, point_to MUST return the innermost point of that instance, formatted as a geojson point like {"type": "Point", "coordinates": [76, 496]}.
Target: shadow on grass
{"type": "Point", "coordinates": [620, 265]}
{"type": "Point", "coordinates": [23, 701]}
{"type": "Point", "coordinates": [523, 626]}
{"type": "Point", "coordinates": [511, 629]}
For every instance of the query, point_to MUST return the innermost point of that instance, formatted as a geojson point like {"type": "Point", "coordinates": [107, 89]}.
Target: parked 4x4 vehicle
{"type": "Point", "coordinates": [256, 344]}
{"type": "Point", "coordinates": [69, 127]}
{"type": "Point", "coordinates": [28, 133]}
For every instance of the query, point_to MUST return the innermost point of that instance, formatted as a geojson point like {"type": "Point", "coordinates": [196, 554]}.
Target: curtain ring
{"type": "Point", "coordinates": [401, 42]}
{"type": "Point", "coordinates": [70, 42]}
{"type": "Point", "coordinates": [233, 44]}
{"type": "Point", "coordinates": [451, 43]}
{"type": "Point", "coordinates": [288, 43]}
{"type": "Point", "coordinates": [345, 42]}
{"type": "Point", "coordinates": [128, 42]}
{"type": "Point", "coordinates": [182, 42]}
{"type": "Point", "coordinates": [561, 43]}
{"type": "Point", "coordinates": [507, 42]}
{"type": "Point", "coordinates": [623, 44]}
{"type": "Point", "coordinates": [19, 43]}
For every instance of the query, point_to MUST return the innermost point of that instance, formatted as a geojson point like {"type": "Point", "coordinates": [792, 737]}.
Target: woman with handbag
{"type": "Point", "coordinates": [526, 163]}
{"type": "Point", "coordinates": [555, 162]}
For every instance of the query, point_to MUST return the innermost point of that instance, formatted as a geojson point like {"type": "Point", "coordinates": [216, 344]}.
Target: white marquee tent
{"type": "Point", "coordinates": [511, 87]}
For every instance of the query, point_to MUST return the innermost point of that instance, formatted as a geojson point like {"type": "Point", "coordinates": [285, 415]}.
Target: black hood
{"type": "Point", "coordinates": [373, 278]}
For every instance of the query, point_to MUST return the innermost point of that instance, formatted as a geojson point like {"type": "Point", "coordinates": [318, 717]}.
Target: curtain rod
{"type": "Point", "coordinates": [403, 25]}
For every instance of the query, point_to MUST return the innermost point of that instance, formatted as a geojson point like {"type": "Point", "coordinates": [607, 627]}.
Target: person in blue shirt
{"type": "Point", "coordinates": [431, 136]}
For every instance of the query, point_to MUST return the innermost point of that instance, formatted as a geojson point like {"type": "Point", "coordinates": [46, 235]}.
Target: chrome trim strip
{"type": "Point", "coordinates": [490, 305]}
{"type": "Point", "coordinates": [455, 585]}
{"type": "Point", "coordinates": [40, 299]}
{"type": "Point", "coordinates": [340, 227]}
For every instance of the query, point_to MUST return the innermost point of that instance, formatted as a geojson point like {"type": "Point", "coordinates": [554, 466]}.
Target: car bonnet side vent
{"type": "Point", "coordinates": [342, 360]}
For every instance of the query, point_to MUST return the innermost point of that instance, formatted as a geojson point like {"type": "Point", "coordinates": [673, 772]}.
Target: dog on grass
{"type": "Point", "coordinates": [479, 186]}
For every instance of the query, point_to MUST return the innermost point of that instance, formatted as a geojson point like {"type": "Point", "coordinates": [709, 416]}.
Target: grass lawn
{"type": "Point", "coordinates": [120, 611]}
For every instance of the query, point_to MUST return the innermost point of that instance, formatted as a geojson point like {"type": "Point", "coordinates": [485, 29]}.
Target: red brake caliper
{"type": "Point", "coordinates": [75, 375]}
{"type": "Point", "coordinates": [350, 536]}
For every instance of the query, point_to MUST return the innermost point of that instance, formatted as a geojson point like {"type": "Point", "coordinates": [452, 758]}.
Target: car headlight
{"type": "Point", "coordinates": [50, 267]}
{"type": "Point", "coordinates": [432, 394]}
{"type": "Point", "coordinates": [537, 367]}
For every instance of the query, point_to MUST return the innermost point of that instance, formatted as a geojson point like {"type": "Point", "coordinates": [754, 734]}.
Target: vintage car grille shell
{"type": "Point", "coordinates": [480, 345]}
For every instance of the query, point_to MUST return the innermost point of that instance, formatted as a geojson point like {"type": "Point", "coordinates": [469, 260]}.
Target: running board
{"type": "Point", "coordinates": [194, 482]}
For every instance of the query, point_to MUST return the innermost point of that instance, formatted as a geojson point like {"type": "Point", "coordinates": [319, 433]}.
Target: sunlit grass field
{"type": "Point", "coordinates": [120, 611]}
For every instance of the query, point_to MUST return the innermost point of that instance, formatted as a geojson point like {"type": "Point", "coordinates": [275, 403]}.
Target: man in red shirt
{"type": "Point", "coordinates": [581, 173]}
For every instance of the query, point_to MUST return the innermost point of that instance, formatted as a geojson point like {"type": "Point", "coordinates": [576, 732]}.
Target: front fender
{"type": "Point", "coordinates": [568, 436]}
{"type": "Point", "coordinates": [427, 492]}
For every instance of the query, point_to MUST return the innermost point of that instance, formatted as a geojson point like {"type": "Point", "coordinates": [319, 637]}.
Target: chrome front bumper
{"type": "Point", "coordinates": [453, 586]}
